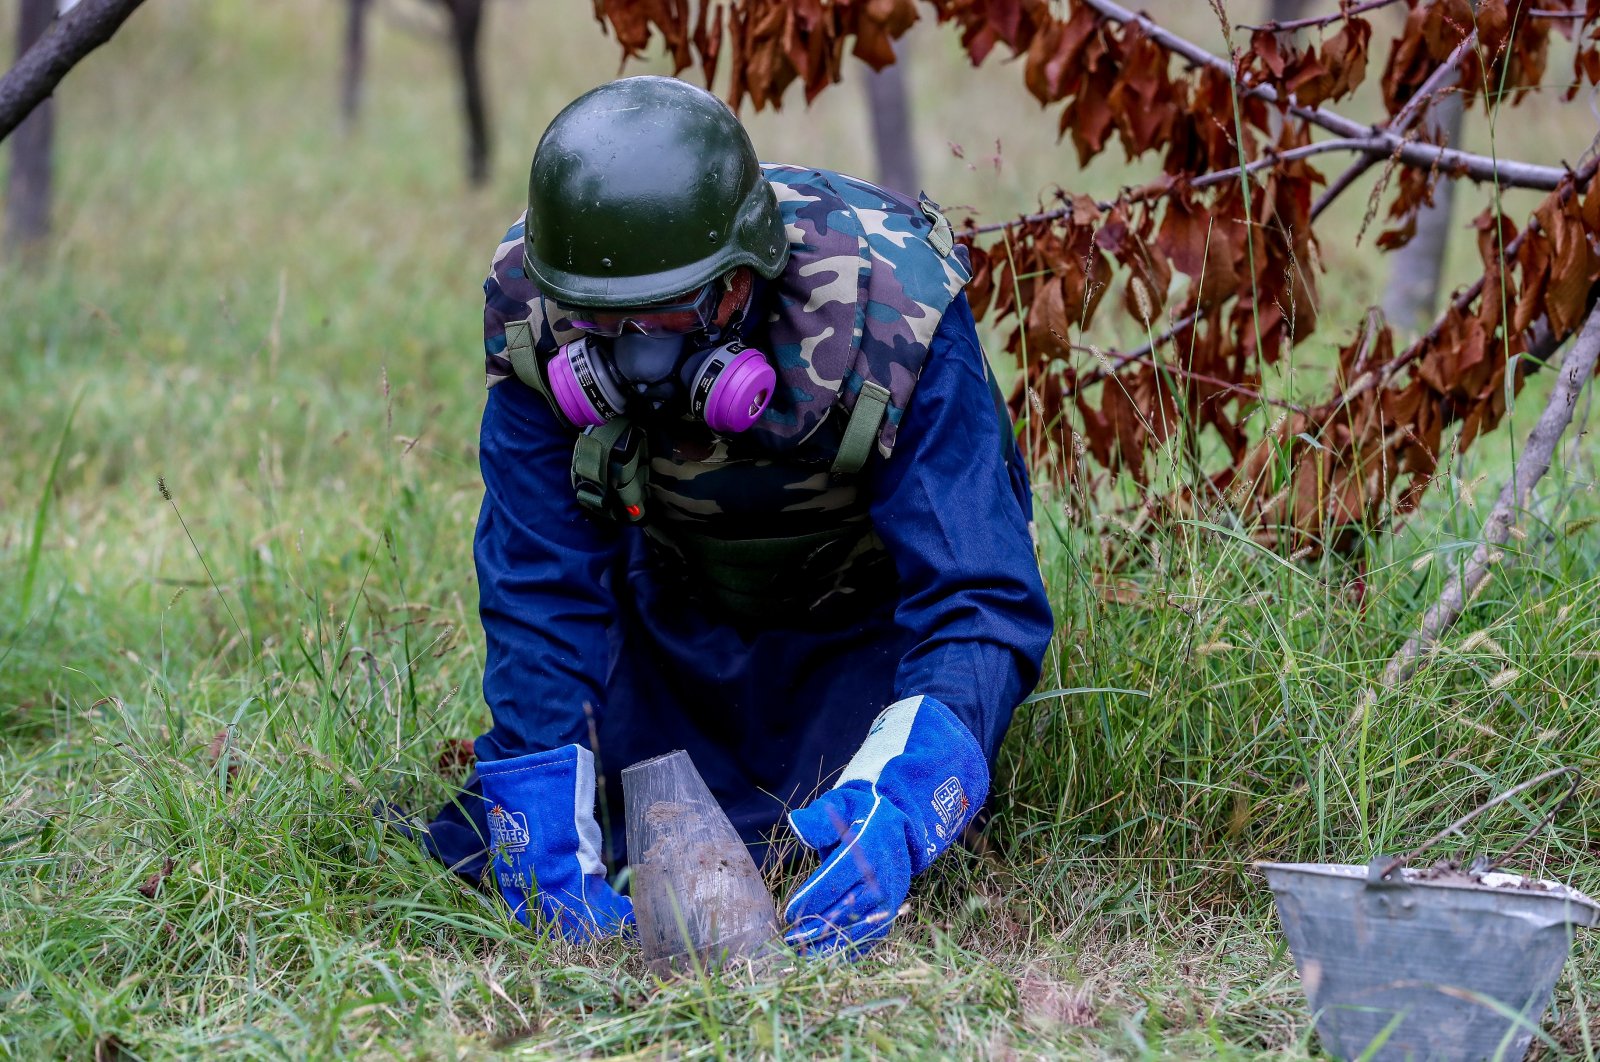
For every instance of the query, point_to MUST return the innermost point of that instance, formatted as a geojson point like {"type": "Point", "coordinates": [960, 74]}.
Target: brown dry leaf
{"type": "Point", "coordinates": [633, 20]}
{"type": "Point", "coordinates": [1049, 321]}
{"type": "Point", "coordinates": [1097, 433]}
{"type": "Point", "coordinates": [708, 40]}
{"type": "Point", "coordinates": [1088, 115]}
{"type": "Point", "coordinates": [628, 21]}
{"type": "Point", "coordinates": [880, 24]}
{"type": "Point", "coordinates": [1228, 253]}
{"type": "Point", "coordinates": [1313, 76]}
{"type": "Point", "coordinates": [1431, 33]}
{"type": "Point", "coordinates": [1517, 46]}
{"type": "Point", "coordinates": [1143, 414]}
{"type": "Point", "coordinates": [1307, 79]}
{"type": "Point", "coordinates": [1149, 272]}
{"type": "Point", "coordinates": [1397, 237]}
{"type": "Point", "coordinates": [1590, 211]}
{"type": "Point", "coordinates": [1185, 226]}
{"type": "Point", "coordinates": [1012, 22]}
{"type": "Point", "coordinates": [218, 747]}
{"type": "Point", "coordinates": [1495, 232]}
{"type": "Point", "coordinates": [152, 884]}
{"type": "Point", "coordinates": [1573, 264]}
{"type": "Point", "coordinates": [1211, 115]}
{"type": "Point", "coordinates": [455, 757]}
{"type": "Point", "coordinates": [1344, 57]}
{"type": "Point", "coordinates": [1415, 191]}
{"type": "Point", "coordinates": [1142, 98]}
{"type": "Point", "coordinates": [672, 19]}
{"type": "Point", "coordinates": [1268, 49]}
{"type": "Point", "coordinates": [762, 64]}
{"type": "Point", "coordinates": [1586, 58]}
{"type": "Point", "coordinates": [1045, 70]}
{"type": "Point", "coordinates": [979, 35]}
{"type": "Point", "coordinates": [1533, 267]}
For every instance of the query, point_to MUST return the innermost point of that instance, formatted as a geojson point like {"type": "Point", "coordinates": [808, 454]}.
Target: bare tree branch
{"type": "Point", "coordinates": [1368, 144]}
{"type": "Point", "coordinates": [1459, 304]}
{"type": "Point", "coordinates": [1318, 20]}
{"type": "Point", "coordinates": [1372, 5]}
{"type": "Point", "coordinates": [1416, 269]}
{"type": "Point", "coordinates": [1341, 184]}
{"type": "Point", "coordinates": [1576, 371]}
{"type": "Point", "coordinates": [1538, 350]}
{"type": "Point", "coordinates": [1401, 122]}
{"type": "Point", "coordinates": [1442, 78]}
{"type": "Point", "coordinates": [1143, 358]}
{"type": "Point", "coordinates": [74, 35]}
{"type": "Point", "coordinates": [1504, 172]}
{"type": "Point", "coordinates": [1378, 144]}
{"type": "Point", "coordinates": [1139, 353]}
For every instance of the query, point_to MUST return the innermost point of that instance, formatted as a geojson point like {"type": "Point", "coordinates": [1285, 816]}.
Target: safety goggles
{"type": "Point", "coordinates": [678, 317]}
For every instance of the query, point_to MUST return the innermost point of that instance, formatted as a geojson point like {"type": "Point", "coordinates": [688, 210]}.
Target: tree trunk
{"type": "Point", "coordinates": [466, 20]}
{"type": "Point", "coordinates": [890, 107]}
{"type": "Point", "coordinates": [355, 61]}
{"type": "Point", "coordinates": [1416, 269]}
{"type": "Point", "coordinates": [27, 213]}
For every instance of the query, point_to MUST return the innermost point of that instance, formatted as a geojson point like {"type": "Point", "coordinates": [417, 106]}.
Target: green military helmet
{"type": "Point", "coordinates": [643, 189]}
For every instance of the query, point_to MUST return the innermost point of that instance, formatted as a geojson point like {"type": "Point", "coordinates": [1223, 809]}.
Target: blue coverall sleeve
{"type": "Point", "coordinates": [544, 592]}
{"type": "Point", "coordinates": [543, 565]}
{"type": "Point", "coordinates": [952, 504]}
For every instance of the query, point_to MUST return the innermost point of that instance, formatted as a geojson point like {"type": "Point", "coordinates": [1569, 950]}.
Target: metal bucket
{"type": "Point", "coordinates": [697, 895]}
{"type": "Point", "coordinates": [1459, 969]}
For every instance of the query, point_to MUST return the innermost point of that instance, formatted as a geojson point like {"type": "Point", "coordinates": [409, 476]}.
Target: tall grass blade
{"type": "Point", "coordinates": [41, 512]}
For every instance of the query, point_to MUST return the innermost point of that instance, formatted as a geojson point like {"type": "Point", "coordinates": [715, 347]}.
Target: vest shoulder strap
{"type": "Point", "coordinates": [940, 237]}
{"type": "Point", "coordinates": [524, 362]}
{"type": "Point", "coordinates": [861, 430]}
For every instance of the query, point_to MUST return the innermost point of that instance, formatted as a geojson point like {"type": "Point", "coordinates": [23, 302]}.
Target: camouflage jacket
{"type": "Point", "coordinates": [869, 277]}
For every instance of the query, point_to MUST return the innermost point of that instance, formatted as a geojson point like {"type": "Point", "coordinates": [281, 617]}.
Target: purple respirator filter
{"type": "Point", "coordinates": [736, 394]}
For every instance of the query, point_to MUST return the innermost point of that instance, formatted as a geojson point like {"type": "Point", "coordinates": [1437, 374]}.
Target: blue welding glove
{"type": "Point", "coordinates": [545, 843]}
{"type": "Point", "coordinates": [903, 798]}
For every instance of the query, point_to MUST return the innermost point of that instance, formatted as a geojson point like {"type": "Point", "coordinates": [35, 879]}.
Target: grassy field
{"type": "Point", "coordinates": [200, 698]}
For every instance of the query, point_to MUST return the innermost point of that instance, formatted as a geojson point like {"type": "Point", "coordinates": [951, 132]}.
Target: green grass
{"type": "Point", "coordinates": [199, 701]}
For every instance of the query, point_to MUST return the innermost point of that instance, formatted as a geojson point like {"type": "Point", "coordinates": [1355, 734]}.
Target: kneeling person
{"type": "Point", "coordinates": [750, 491]}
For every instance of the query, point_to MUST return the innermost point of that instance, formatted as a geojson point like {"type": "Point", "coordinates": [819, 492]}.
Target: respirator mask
{"type": "Point", "coordinates": [657, 361]}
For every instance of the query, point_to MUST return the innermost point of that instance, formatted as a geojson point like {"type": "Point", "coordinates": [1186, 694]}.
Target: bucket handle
{"type": "Point", "coordinates": [1396, 862]}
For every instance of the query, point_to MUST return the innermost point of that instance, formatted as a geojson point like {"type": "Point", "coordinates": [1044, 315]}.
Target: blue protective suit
{"type": "Point", "coordinates": [574, 616]}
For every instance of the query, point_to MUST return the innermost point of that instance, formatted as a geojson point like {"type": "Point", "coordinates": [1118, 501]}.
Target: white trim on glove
{"type": "Point", "coordinates": [583, 817]}
{"type": "Point", "coordinates": [886, 740]}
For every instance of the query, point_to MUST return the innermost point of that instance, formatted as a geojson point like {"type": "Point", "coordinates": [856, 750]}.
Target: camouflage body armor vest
{"type": "Point", "coordinates": [773, 519]}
